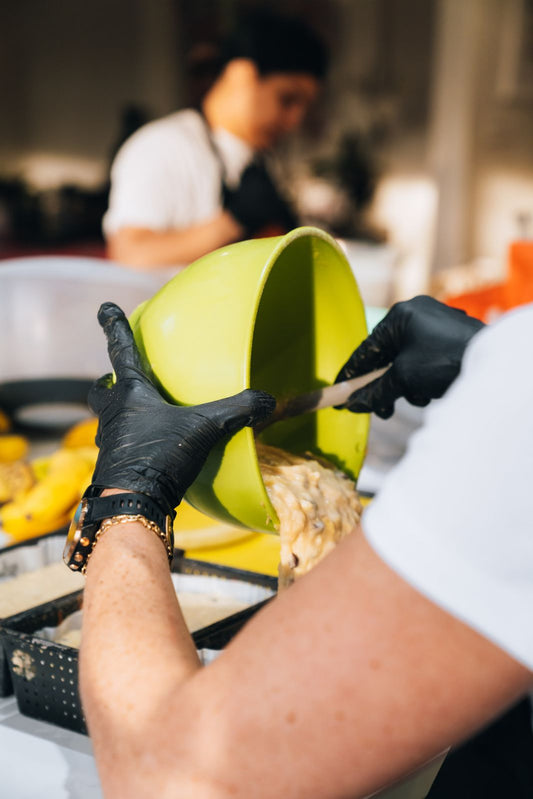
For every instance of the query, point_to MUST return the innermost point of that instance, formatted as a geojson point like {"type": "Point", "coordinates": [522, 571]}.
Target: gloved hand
{"type": "Point", "coordinates": [146, 444]}
{"type": "Point", "coordinates": [424, 340]}
{"type": "Point", "coordinates": [256, 202]}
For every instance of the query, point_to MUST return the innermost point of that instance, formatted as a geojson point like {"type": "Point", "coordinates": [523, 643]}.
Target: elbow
{"type": "Point", "coordinates": [128, 247]}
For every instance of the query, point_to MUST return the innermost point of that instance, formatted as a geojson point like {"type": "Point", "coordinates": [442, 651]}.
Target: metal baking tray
{"type": "Point", "coordinates": [45, 674]}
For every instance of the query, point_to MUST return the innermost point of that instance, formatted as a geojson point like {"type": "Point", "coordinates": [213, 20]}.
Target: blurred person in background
{"type": "Point", "coordinates": [197, 180]}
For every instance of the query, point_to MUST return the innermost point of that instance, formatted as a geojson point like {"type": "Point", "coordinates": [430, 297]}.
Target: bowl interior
{"type": "Point", "coordinates": [309, 320]}
{"type": "Point", "coordinates": [280, 314]}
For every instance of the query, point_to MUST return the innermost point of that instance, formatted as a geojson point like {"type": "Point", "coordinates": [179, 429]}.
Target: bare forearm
{"type": "Point", "coordinates": [347, 681]}
{"type": "Point", "coordinates": [136, 649]}
{"type": "Point", "coordinates": [143, 247]}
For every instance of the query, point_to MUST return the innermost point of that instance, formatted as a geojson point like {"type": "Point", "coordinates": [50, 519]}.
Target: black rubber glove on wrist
{"type": "Point", "coordinates": [256, 202]}
{"type": "Point", "coordinates": [424, 340]}
{"type": "Point", "coordinates": [146, 444]}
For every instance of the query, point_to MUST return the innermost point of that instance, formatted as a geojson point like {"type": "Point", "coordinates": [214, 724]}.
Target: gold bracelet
{"type": "Point", "coordinates": [148, 523]}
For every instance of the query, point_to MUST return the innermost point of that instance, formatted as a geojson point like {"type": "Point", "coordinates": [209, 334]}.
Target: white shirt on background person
{"type": "Point", "coordinates": [168, 174]}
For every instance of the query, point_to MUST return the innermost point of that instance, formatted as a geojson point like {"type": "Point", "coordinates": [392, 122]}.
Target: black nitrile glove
{"type": "Point", "coordinates": [256, 202]}
{"type": "Point", "coordinates": [146, 444]}
{"type": "Point", "coordinates": [424, 340]}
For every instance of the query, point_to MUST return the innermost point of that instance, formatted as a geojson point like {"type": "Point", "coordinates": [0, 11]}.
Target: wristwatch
{"type": "Point", "coordinates": [88, 522]}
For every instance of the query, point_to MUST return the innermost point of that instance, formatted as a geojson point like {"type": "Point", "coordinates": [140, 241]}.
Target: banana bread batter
{"type": "Point", "coordinates": [316, 504]}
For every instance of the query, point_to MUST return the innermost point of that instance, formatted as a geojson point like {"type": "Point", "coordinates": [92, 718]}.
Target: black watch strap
{"type": "Point", "coordinates": [94, 509]}
{"type": "Point", "coordinates": [101, 508]}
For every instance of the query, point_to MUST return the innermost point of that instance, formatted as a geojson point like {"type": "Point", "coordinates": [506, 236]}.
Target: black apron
{"type": "Point", "coordinates": [285, 219]}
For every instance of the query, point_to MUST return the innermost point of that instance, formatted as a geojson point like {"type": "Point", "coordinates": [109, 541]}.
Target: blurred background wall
{"type": "Point", "coordinates": [69, 69]}
{"type": "Point", "coordinates": [423, 131]}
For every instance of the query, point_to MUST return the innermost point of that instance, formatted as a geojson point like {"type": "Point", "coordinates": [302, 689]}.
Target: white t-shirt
{"type": "Point", "coordinates": [455, 517]}
{"type": "Point", "coordinates": [167, 175]}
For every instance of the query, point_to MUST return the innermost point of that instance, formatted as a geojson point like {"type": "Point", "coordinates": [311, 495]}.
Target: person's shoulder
{"type": "Point", "coordinates": [509, 335]}
{"type": "Point", "coordinates": [157, 136]}
{"type": "Point", "coordinates": [188, 120]}
{"type": "Point", "coordinates": [520, 318]}
{"type": "Point", "coordinates": [496, 364]}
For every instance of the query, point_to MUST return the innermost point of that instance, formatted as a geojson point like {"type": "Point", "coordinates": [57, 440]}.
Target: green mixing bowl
{"type": "Point", "coordinates": [280, 314]}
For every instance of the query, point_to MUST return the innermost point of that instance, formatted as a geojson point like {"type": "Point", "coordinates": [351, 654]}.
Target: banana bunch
{"type": "Point", "coordinates": [16, 476]}
{"type": "Point", "coordinates": [15, 480]}
{"type": "Point", "coordinates": [48, 497]}
{"type": "Point", "coordinates": [12, 448]}
{"type": "Point", "coordinates": [81, 434]}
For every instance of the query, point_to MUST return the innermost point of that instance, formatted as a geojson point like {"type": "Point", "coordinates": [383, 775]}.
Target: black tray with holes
{"type": "Point", "coordinates": [45, 674]}
{"type": "Point", "coordinates": [10, 566]}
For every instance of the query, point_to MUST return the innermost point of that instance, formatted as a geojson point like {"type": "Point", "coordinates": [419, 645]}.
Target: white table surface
{"type": "Point", "coordinates": [42, 761]}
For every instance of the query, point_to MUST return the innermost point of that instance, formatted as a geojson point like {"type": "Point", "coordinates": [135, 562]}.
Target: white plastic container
{"type": "Point", "coordinates": [48, 307]}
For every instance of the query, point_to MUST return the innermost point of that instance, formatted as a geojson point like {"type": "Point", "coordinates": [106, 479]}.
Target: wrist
{"type": "Point", "coordinates": [137, 524]}
{"type": "Point", "coordinates": [124, 544]}
{"type": "Point", "coordinates": [111, 507]}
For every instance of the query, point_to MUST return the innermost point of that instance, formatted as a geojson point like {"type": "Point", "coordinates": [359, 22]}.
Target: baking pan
{"type": "Point", "coordinates": [45, 673]}
{"type": "Point", "coordinates": [18, 559]}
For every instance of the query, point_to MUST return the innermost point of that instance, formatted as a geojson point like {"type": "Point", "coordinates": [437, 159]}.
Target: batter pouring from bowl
{"type": "Point", "coordinates": [317, 505]}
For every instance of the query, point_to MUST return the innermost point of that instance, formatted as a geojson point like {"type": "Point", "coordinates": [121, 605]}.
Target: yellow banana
{"type": "Point", "coordinates": [20, 529]}
{"type": "Point", "coordinates": [58, 460]}
{"type": "Point", "coordinates": [47, 505]}
{"type": "Point", "coordinates": [86, 480]}
{"type": "Point", "coordinates": [81, 434]}
{"type": "Point", "coordinates": [89, 454]}
{"type": "Point", "coordinates": [40, 466]}
{"type": "Point", "coordinates": [62, 459]}
{"type": "Point", "coordinates": [13, 448]}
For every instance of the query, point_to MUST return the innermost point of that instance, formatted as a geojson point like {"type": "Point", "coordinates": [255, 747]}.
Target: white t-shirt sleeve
{"type": "Point", "coordinates": [455, 517]}
{"type": "Point", "coordinates": [148, 182]}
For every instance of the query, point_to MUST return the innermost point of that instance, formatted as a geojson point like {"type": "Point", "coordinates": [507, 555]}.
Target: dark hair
{"type": "Point", "coordinates": [276, 43]}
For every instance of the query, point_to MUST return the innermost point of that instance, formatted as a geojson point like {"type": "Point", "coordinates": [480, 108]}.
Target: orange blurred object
{"type": "Point", "coordinates": [488, 303]}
